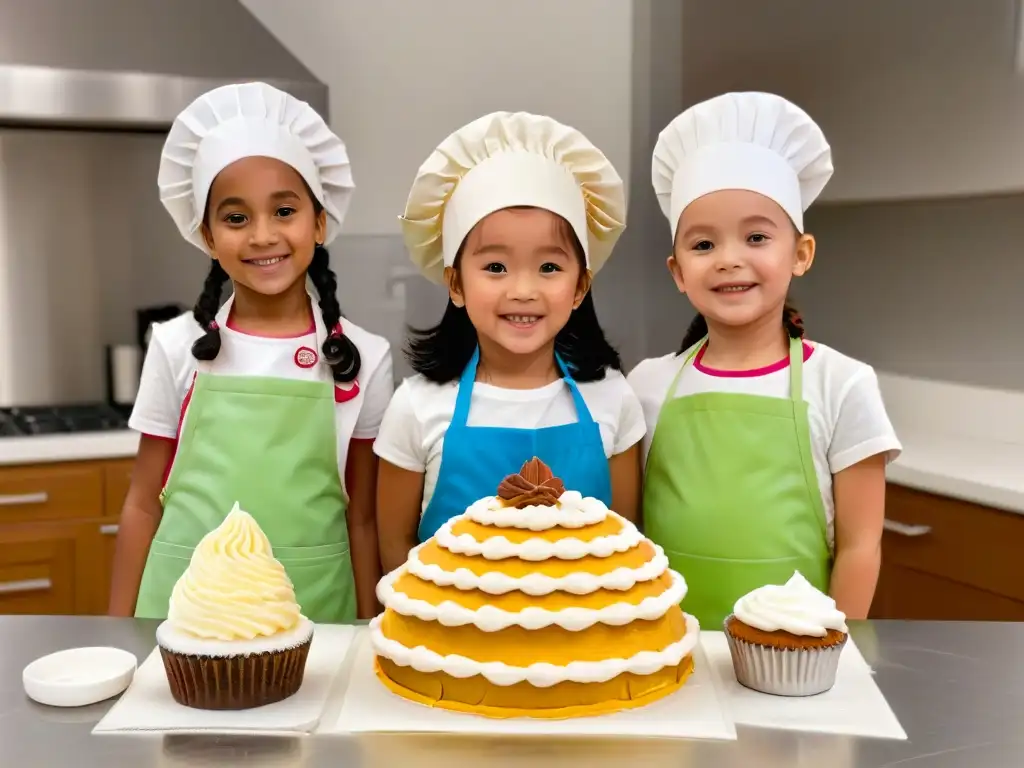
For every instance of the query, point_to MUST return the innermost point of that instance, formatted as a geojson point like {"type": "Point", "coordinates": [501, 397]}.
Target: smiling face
{"type": "Point", "coordinates": [735, 255]}
{"type": "Point", "coordinates": [262, 225]}
{"type": "Point", "coordinates": [520, 274]}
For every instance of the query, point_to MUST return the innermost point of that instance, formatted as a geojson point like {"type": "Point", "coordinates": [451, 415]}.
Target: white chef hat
{"type": "Point", "coordinates": [509, 159]}
{"type": "Point", "coordinates": [250, 120]}
{"type": "Point", "coordinates": [753, 141]}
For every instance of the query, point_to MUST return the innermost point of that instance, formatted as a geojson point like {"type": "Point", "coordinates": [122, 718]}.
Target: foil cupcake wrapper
{"type": "Point", "coordinates": [235, 682]}
{"type": "Point", "coordinates": [784, 672]}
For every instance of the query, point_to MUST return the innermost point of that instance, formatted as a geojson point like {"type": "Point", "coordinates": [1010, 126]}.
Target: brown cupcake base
{"type": "Point", "coordinates": [235, 682]}
{"type": "Point", "coordinates": [781, 639]}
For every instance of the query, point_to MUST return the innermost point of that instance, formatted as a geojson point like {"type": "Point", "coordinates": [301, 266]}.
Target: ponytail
{"type": "Point", "coordinates": [698, 330]}
{"type": "Point", "coordinates": [791, 321]}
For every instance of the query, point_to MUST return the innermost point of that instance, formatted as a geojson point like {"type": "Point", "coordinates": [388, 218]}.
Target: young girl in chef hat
{"type": "Point", "coordinates": [273, 399]}
{"type": "Point", "coordinates": [765, 453]}
{"type": "Point", "coordinates": [514, 213]}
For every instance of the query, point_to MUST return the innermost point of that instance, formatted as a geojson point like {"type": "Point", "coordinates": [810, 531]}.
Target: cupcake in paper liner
{"type": "Point", "coordinates": [234, 637]}
{"type": "Point", "coordinates": [786, 639]}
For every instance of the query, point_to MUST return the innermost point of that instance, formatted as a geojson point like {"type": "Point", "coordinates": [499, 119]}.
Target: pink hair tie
{"type": "Point", "coordinates": [336, 331]}
{"type": "Point", "coordinates": [213, 326]}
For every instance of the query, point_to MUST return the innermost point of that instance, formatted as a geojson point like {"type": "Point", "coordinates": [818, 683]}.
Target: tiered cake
{"type": "Point", "coordinates": [535, 602]}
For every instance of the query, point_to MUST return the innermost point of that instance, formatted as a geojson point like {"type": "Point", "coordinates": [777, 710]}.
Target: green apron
{"type": "Point", "coordinates": [268, 443]}
{"type": "Point", "coordinates": [731, 495]}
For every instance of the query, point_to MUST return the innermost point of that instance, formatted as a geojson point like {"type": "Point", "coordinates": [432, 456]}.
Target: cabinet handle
{"type": "Point", "coordinates": [905, 529]}
{"type": "Point", "coordinates": [28, 585]}
{"type": "Point", "coordinates": [18, 499]}
{"type": "Point", "coordinates": [110, 530]}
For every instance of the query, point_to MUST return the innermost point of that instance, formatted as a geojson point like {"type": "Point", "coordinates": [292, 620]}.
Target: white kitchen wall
{"type": "Point", "coordinates": [920, 98]}
{"type": "Point", "coordinates": [928, 289]}
{"type": "Point", "coordinates": [919, 263]}
{"type": "Point", "coordinates": [403, 75]}
{"type": "Point", "coordinates": [654, 314]}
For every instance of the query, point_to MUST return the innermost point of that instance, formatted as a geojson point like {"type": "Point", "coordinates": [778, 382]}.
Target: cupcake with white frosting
{"type": "Point", "coordinates": [234, 637]}
{"type": "Point", "coordinates": [786, 639]}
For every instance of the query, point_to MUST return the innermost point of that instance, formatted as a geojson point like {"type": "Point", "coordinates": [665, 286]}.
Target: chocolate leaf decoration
{"type": "Point", "coordinates": [536, 471]}
{"type": "Point", "coordinates": [534, 485]}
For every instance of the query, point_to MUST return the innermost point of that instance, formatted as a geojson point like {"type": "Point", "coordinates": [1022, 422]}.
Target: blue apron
{"type": "Point", "coordinates": [474, 460]}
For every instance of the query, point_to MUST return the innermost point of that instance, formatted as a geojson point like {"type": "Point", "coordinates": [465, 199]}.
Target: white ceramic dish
{"type": "Point", "coordinates": [79, 676]}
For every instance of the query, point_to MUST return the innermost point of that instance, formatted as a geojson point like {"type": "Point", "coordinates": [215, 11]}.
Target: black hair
{"type": "Point", "coordinates": [338, 350]}
{"type": "Point", "coordinates": [698, 329]}
{"type": "Point", "coordinates": [442, 352]}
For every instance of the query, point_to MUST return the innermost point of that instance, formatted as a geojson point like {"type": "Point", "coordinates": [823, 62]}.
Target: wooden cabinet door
{"type": "Point", "coordinates": [906, 594]}
{"type": "Point", "coordinates": [94, 565]}
{"type": "Point", "coordinates": [58, 530]}
{"type": "Point", "coordinates": [947, 559]}
{"type": "Point", "coordinates": [117, 476]}
{"type": "Point", "coordinates": [38, 569]}
{"type": "Point", "coordinates": [32, 494]}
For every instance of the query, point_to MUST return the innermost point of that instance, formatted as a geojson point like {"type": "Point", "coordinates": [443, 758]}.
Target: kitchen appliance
{"type": "Point", "coordinates": [64, 419]}
{"type": "Point", "coordinates": [87, 93]}
{"type": "Point", "coordinates": [124, 370]}
{"type": "Point", "coordinates": [145, 317]}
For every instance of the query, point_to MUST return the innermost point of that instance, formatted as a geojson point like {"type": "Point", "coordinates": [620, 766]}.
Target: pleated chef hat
{"type": "Point", "coordinates": [509, 159]}
{"type": "Point", "coordinates": [250, 120]}
{"type": "Point", "coordinates": [753, 141]}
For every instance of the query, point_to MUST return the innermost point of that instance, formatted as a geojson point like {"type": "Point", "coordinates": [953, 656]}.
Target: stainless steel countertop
{"type": "Point", "coordinates": [957, 688]}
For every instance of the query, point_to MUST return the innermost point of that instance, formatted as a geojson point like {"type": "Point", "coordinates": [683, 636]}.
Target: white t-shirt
{"type": "Point", "coordinates": [170, 368]}
{"type": "Point", "coordinates": [412, 434]}
{"type": "Point", "coordinates": [848, 418]}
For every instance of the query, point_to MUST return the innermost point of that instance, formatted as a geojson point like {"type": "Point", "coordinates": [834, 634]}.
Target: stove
{"type": "Point", "coordinates": [62, 419]}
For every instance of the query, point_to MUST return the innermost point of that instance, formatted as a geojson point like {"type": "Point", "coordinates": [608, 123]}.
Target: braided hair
{"type": "Point", "coordinates": [698, 329]}
{"type": "Point", "coordinates": [207, 346]}
{"type": "Point", "coordinates": [338, 350]}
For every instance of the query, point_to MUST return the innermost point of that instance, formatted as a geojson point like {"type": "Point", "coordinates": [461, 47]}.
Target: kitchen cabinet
{"type": "Point", "coordinates": [946, 559]}
{"type": "Point", "coordinates": [58, 527]}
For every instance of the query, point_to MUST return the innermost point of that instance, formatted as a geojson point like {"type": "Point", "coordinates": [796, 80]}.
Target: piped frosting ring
{"type": "Point", "coordinates": [490, 619]}
{"type": "Point", "coordinates": [537, 549]}
{"type": "Point", "coordinates": [538, 584]}
{"type": "Point", "coordinates": [573, 511]}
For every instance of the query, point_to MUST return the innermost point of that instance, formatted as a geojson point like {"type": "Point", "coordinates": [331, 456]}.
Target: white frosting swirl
{"type": "Point", "coordinates": [574, 510]}
{"type": "Point", "coordinates": [541, 675]}
{"type": "Point", "coordinates": [500, 548]}
{"type": "Point", "coordinates": [795, 607]}
{"type": "Point", "coordinates": [490, 619]}
{"type": "Point", "coordinates": [496, 583]}
{"type": "Point", "coordinates": [234, 588]}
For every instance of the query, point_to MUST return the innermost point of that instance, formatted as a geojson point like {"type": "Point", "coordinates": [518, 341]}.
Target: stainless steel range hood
{"type": "Point", "coordinates": [133, 64]}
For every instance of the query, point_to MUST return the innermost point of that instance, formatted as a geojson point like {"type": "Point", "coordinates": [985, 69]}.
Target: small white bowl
{"type": "Point", "coordinates": [79, 676]}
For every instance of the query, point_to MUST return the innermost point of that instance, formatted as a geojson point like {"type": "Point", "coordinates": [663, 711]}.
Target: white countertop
{"type": "Point", "coordinates": [987, 473]}
{"type": "Point", "coordinates": [78, 447]}
{"type": "Point", "coordinates": [959, 440]}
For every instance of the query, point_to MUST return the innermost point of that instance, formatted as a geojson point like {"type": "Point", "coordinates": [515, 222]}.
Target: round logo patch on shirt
{"type": "Point", "coordinates": [306, 357]}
